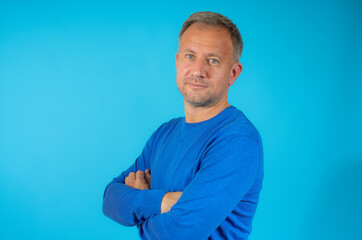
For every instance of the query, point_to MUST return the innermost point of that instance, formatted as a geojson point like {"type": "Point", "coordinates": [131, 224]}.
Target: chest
{"type": "Point", "coordinates": [175, 162]}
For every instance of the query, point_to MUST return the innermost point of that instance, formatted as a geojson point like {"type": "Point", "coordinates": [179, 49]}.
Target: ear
{"type": "Point", "coordinates": [235, 72]}
{"type": "Point", "coordinates": [176, 59]}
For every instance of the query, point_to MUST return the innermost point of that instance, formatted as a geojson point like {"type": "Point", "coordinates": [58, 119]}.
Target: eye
{"type": "Point", "coordinates": [213, 61]}
{"type": "Point", "coordinates": [190, 56]}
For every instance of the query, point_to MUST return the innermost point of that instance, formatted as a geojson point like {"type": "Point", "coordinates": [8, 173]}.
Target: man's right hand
{"type": "Point", "coordinates": [168, 200]}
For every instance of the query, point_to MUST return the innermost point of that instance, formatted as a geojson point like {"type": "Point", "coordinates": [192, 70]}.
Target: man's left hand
{"type": "Point", "coordinates": [139, 180]}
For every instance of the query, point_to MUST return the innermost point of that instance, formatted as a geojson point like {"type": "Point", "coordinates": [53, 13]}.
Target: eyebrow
{"type": "Point", "coordinates": [208, 55]}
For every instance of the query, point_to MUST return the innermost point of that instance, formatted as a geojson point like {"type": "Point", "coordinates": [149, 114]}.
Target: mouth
{"type": "Point", "coordinates": [197, 86]}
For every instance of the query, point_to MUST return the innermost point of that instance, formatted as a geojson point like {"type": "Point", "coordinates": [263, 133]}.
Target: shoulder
{"type": "Point", "coordinates": [167, 127]}
{"type": "Point", "coordinates": [236, 142]}
{"type": "Point", "coordinates": [237, 125]}
{"type": "Point", "coordinates": [173, 123]}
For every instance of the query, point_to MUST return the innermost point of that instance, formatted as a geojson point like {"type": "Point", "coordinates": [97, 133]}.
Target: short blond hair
{"type": "Point", "coordinates": [216, 20]}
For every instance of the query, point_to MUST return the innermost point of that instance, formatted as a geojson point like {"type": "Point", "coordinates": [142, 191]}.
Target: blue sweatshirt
{"type": "Point", "coordinates": [217, 163]}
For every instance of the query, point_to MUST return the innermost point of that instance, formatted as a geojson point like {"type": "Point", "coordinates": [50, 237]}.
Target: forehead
{"type": "Point", "coordinates": [201, 37]}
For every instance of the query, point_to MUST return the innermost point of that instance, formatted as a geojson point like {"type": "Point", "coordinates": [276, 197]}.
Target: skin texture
{"type": "Point", "coordinates": [205, 70]}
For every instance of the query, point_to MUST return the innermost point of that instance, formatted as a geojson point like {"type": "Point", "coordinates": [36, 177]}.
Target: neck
{"type": "Point", "coordinates": [194, 114]}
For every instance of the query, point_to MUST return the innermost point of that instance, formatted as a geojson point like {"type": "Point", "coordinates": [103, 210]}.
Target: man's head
{"type": "Point", "coordinates": [216, 20]}
{"type": "Point", "coordinates": [206, 63]}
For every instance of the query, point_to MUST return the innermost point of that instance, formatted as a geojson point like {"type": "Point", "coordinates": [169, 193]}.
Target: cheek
{"type": "Point", "coordinates": [179, 79]}
{"type": "Point", "coordinates": [183, 69]}
{"type": "Point", "coordinates": [178, 73]}
{"type": "Point", "coordinates": [222, 79]}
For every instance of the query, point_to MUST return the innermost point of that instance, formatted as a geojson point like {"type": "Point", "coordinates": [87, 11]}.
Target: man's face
{"type": "Point", "coordinates": [205, 66]}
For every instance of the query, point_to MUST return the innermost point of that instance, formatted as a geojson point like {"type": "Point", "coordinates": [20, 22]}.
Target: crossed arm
{"type": "Point", "coordinates": [223, 179]}
{"type": "Point", "coordinates": [142, 180]}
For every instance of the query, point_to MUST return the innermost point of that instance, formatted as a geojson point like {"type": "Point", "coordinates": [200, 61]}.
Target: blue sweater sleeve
{"type": "Point", "coordinates": [129, 206]}
{"type": "Point", "coordinates": [227, 172]}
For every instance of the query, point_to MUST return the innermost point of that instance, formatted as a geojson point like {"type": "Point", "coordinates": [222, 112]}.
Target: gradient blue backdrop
{"type": "Point", "coordinates": [84, 84]}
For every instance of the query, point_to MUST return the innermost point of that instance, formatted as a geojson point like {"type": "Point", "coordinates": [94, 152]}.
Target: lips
{"type": "Point", "coordinates": [196, 85]}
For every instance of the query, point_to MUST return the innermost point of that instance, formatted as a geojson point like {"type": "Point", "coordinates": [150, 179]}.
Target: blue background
{"type": "Point", "coordinates": [83, 85]}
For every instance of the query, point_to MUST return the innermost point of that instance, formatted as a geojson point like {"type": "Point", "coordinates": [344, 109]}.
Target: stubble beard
{"type": "Point", "coordinates": [198, 99]}
{"type": "Point", "coordinates": [200, 103]}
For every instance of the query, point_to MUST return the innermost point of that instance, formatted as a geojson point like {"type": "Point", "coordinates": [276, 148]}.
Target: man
{"type": "Point", "coordinates": [198, 177]}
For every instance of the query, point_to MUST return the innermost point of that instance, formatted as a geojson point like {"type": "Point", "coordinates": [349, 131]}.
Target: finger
{"type": "Point", "coordinates": [129, 181]}
{"type": "Point", "coordinates": [140, 175]}
{"type": "Point", "coordinates": [132, 176]}
{"type": "Point", "coordinates": [148, 176]}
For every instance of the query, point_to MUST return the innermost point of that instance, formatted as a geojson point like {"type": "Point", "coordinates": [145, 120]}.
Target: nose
{"type": "Point", "coordinates": [199, 69]}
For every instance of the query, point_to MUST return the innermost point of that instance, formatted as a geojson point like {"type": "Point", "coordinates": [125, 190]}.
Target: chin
{"type": "Point", "coordinates": [199, 102]}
